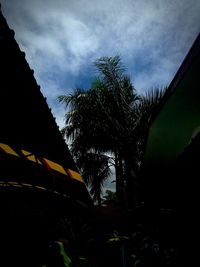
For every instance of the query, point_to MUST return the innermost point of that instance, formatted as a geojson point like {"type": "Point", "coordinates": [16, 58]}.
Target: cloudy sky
{"type": "Point", "coordinates": [62, 38]}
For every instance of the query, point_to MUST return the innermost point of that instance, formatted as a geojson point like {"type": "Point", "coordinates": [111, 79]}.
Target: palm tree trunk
{"type": "Point", "coordinates": [119, 178]}
{"type": "Point", "coordinates": [117, 175]}
{"type": "Point", "coordinates": [131, 184]}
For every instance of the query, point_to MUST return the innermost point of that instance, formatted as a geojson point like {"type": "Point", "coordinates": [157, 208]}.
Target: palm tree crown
{"type": "Point", "coordinates": [109, 117]}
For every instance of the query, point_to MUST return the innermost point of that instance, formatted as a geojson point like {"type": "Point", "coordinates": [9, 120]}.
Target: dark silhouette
{"type": "Point", "coordinates": [39, 181]}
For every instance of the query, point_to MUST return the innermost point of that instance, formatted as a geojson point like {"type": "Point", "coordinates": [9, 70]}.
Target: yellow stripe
{"type": "Point", "coordinates": [8, 149]}
{"type": "Point", "coordinates": [13, 183]}
{"type": "Point", "coordinates": [28, 185]}
{"type": "Point", "coordinates": [40, 187]}
{"type": "Point", "coordinates": [55, 166]}
{"type": "Point", "coordinates": [75, 175]}
{"type": "Point", "coordinates": [31, 156]}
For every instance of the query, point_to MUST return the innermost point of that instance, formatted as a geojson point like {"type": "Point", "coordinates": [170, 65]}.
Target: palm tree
{"type": "Point", "coordinates": [121, 100]}
{"type": "Point", "coordinates": [89, 138]}
{"type": "Point", "coordinates": [95, 169]}
{"type": "Point", "coordinates": [101, 117]}
{"type": "Point", "coordinates": [109, 118]}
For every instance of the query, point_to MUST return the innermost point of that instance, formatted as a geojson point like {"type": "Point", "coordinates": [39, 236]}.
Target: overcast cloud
{"type": "Point", "coordinates": [61, 39]}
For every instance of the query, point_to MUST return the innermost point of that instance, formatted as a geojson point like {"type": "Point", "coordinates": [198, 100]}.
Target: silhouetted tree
{"type": "Point", "coordinates": [109, 118]}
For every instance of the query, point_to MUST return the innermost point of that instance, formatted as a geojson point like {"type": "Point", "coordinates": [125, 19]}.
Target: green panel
{"type": "Point", "coordinates": [177, 122]}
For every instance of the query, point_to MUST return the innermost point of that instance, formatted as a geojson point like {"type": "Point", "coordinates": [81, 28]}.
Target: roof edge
{"type": "Point", "coordinates": [183, 68]}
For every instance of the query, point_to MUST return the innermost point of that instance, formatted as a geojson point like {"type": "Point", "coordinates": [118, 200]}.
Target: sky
{"type": "Point", "coordinates": [63, 38]}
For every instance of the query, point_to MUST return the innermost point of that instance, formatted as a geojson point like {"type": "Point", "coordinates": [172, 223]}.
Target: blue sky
{"type": "Point", "coordinates": [62, 38]}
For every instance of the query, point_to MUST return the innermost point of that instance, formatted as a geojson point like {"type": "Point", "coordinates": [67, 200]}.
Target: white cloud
{"type": "Point", "coordinates": [61, 38]}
